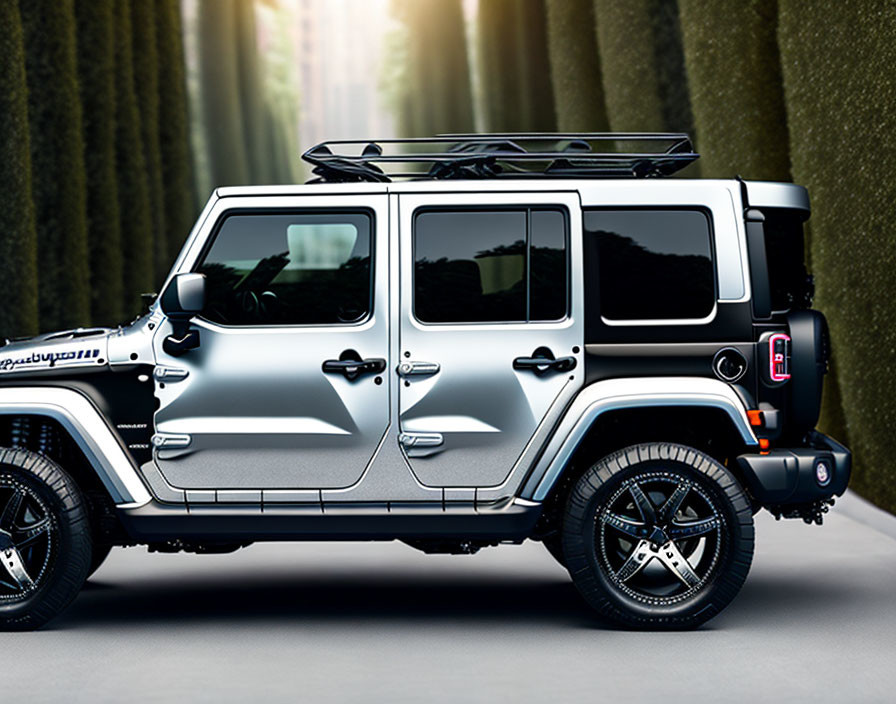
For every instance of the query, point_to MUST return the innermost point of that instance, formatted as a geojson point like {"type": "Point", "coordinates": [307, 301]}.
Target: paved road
{"type": "Point", "coordinates": [381, 622]}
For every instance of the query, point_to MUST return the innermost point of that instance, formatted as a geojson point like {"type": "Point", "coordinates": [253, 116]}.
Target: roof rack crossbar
{"type": "Point", "coordinates": [500, 155]}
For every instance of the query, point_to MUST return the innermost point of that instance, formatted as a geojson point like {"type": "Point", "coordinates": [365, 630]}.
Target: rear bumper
{"type": "Point", "coordinates": [786, 477]}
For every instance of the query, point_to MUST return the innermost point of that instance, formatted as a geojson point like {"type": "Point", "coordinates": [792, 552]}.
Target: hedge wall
{"type": "Point", "coordinates": [575, 67]}
{"type": "Point", "coordinates": [437, 91]}
{"type": "Point", "coordinates": [146, 87]}
{"type": "Point", "coordinates": [96, 75]}
{"type": "Point", "coordinates": [174, 127]}
{"type": "Point", "coordinates": [514, 67]}
{"type": "Point", "coordinates": [57, 160]}
{"type": "Point", "coordinates": [249, 86]}
{"type": "Point", "coordinates": [840, 89]}
{"type": "Point", "coordinates": [220, 89]}
{"type": "Point", "coordinates": [18, 244]}
{"type": "Point", "coordinates": [643, 65]}
{"type": "Point", "coordinates": [734, 76]}
{"type": "Point", "coordinates": [133, 189]}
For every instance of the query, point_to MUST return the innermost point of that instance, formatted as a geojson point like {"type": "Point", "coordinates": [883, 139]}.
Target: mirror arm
{"type": "Point", "coordinates": [182, 339]}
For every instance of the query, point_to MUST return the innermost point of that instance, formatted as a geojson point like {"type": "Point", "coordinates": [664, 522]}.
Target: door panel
{"type": "Point", "coordinates": [279, 406]}
{"type": "Point", "coordinates": [466, 418]}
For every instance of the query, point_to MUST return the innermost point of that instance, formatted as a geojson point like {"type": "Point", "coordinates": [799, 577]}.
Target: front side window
{"type": "Point", "coordinates": [481, 266]}
{"type": "Point", "coordinates": [289, 269]}
{"type": "Point", "coordinates": [651, 264]}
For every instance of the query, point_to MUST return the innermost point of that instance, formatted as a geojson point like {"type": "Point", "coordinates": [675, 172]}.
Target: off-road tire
{"type": "Point", "coordinates": [590, 525]}
{"type": "Point", "coordinates": [66, 558]}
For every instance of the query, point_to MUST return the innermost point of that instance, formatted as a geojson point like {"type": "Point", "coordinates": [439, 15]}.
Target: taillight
{"type": "Point", "coordinates": [779, 357]}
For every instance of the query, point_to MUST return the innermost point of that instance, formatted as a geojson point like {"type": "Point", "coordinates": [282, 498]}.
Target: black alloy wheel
{"type": "Point", "coordinates": [45, 540]}
{"type": "Point", "coordinates": [29, 537]}
{"type": "Point", "coordinates": [658, 536]}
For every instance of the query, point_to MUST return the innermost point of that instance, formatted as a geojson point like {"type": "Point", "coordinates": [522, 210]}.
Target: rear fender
{"type": "Point", "coordinates": [616, 394]}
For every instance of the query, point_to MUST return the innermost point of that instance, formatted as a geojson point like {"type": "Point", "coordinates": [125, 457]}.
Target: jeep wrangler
{"type": "Point", "coordinates": [454, 342]}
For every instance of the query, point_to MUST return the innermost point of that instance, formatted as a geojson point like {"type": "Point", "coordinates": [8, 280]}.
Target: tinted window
{"type": "Point", "coordinates": [490, 266]}
{"type": "Point", "coordinates": [652, 264]}
{"type": "Point", "coordinates": [289, 269]}
{"type": "Point", "coordinates": [790, 284]}
{"type": "Point", "coordinates": [547, 266]}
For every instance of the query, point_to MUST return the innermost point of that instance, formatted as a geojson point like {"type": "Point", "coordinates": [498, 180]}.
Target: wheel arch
{"type": "Point", "coordinates": [638, 410]}
{"type": "Point", "coordinates": [82, 423]}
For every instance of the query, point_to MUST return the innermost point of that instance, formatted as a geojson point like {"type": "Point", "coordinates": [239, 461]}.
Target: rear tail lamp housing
{"type": "Point", "coordinates": [779, 357]}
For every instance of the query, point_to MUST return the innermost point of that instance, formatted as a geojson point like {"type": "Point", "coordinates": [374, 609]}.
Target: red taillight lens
{"type": "Point", "coordinates": [779, 357]}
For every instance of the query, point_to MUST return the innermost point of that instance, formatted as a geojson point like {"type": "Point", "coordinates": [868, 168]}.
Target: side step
{"type": "Point", "coordinates": [511, 519]}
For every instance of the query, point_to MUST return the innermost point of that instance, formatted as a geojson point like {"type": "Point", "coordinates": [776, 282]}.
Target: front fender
{"type": "Point", "coordinates": [87, 427]}
{"type": "Point", "coordinates": [616, 394]}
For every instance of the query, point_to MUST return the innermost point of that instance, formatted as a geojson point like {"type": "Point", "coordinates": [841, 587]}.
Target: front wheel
{"type": "Point", "coordinates": [45, 542]}
{"type": "Point", "coordinates": [658, 536]}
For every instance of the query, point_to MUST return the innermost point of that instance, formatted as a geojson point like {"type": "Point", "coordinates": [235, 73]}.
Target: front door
{"type": "Point", "coordinates": [491, 334]}
{"type": "Point", "coordinates": [286, 388]}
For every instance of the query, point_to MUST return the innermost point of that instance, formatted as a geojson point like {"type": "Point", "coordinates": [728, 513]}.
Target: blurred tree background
{"type": "Point", "coordinates": [118, 118]}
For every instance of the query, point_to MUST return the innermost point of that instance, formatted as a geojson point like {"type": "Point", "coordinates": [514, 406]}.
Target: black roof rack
{"type": "Point", "coordinates": [510, 155]}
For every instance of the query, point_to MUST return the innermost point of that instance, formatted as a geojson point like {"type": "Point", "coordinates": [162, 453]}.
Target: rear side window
{"type": "Point", "coordinates": [478, 266]}
{"type": "Point", "coordinates": [651, 264]}
{"type": "Point", "coordinates": [308, 268]}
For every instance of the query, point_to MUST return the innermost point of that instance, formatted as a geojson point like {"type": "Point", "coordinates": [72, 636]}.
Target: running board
{"type": "Point", "coordinates": [509, 519]}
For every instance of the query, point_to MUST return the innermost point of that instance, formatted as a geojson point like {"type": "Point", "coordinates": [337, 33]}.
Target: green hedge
{"type": "Point", "coordinates": [840, 89]}
{"type": "Point", "coordinates": [18, 237]}
{"type": "Point", "coordinates": [146, 87]}
{"type": "Point", "coordinates": [220, 90]}
{"type": "Point", "coordinates": [249, 82]}
{"type": "Point", "coordinates": [514, 67]}
{"type": "Point", "coordinates": [575, 67]}
{"type": "Point", "coordinates": [133, 188]}
{"type": "Point", "coordinates": [96, 75]}
{"type": "Point", "coordinates": [734, 75]}
{"type": "Point", "coordinates": [643, 66]}
{"type": "Point", "coordinates": [437, 93]}
{"type": "Point", "coordinates": [174, 127]}
{"type": "Point", "coordinates": [57, 160]}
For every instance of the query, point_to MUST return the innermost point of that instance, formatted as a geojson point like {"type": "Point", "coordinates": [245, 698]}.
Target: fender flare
{"type": "Point", "coordinates": [87, 427]}
{"type": "Point", "coordinates": [615, 394]}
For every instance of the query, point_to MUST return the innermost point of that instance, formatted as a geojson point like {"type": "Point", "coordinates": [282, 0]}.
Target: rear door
{"type": "Point", "coordinates": [490, 328]}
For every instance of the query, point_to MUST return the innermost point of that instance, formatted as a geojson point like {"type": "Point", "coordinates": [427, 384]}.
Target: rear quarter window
{"type": "Point", "coordinates": [650, 264]}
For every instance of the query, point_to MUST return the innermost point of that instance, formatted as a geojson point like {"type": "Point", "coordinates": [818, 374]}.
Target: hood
{"type": "Point", "coordinates": [84, 347]}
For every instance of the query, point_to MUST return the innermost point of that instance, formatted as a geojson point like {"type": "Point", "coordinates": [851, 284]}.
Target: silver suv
{"type": "Point", "coordinates": [453, 342]}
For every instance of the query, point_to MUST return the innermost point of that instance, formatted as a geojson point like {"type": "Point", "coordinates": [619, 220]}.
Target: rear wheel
{"type": "Point", "coordinates": [658, 536]}
{"type": "Point", "coordinates": [45, 542]}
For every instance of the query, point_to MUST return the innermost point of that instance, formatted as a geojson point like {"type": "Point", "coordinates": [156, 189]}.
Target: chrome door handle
{"type": "Point", "coordinates": [410, 440]}
{"type": "Point", "coordinates": [418, 368]}
{"type": "Point", "coordinates": [170, 374]}
{"type": "Point", "coordinates": [165, 441]}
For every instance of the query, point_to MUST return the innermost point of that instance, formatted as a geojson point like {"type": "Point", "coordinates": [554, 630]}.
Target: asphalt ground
{"type": "Point", "coordinates": [369, 622]}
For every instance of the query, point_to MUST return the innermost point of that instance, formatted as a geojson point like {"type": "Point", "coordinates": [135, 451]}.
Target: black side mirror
{"type": "Point", "coordinates": [183, 298]}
